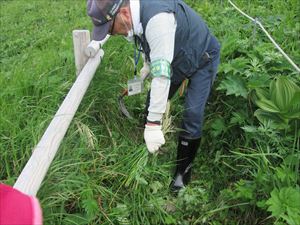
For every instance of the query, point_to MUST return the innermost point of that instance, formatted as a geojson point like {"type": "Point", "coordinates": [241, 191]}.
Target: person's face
{"type": "Point", "coordinates": [122, 22]}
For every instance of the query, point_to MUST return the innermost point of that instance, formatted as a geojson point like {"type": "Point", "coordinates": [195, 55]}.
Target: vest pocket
{"type": "Point", "coordinates": [183, 66]}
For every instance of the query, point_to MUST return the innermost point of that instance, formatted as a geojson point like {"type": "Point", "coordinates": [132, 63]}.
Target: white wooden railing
{"type": "Point", "coordinates": [88, 57]}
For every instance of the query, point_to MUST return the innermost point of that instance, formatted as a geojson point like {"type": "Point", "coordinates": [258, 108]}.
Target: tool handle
{"type": "Point", "coordinates": [144, 76]}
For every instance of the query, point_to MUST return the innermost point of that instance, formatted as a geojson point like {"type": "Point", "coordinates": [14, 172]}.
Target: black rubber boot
{"type": "Point", "coordinates": [186, 152]}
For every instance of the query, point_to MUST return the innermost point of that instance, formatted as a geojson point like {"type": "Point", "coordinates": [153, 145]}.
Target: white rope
{"type": "Point", "coordinates": [268, 35]}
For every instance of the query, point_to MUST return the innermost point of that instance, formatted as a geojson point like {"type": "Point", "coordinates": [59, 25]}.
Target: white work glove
{"type": "Point", "coordinates": [145, 70]}
{"type": "Point", "coordinates": [154, 137]}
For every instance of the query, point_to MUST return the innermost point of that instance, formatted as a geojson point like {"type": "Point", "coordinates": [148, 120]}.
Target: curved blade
{"type": "Point", "coordinates": [123, 107]}
{"type": "Point", "coordinates": [121, 100]}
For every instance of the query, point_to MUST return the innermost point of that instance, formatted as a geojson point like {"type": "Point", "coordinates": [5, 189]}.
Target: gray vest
{"type": "Point", "coordinates": [192, 38]}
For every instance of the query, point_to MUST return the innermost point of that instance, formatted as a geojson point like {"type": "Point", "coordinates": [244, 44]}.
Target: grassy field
{"type": "Point", "coordinates": [247, 171]}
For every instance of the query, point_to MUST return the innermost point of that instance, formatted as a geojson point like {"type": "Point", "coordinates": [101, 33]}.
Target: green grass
{"type": "Point", "coordinates": [102, 173]}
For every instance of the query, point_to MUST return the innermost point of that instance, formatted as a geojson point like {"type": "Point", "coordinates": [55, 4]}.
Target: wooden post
{"type": "Point", "coordinates": [37, 166]}
{"type": "Point", "coordinates": [81, 39]}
